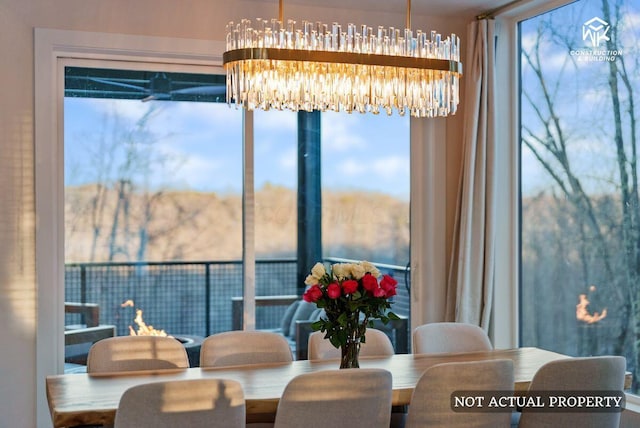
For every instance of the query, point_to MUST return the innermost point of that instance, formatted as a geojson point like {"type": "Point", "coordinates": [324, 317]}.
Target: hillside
{"type": "Point", "coordinates": [121, 224]}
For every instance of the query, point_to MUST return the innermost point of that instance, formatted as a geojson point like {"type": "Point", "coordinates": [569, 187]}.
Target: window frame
{"type": "Point", "coordinates": [506, 314]}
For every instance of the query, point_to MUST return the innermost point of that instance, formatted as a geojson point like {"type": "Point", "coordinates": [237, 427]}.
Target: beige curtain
{"type": "Point", "coordinates": [471, 273]}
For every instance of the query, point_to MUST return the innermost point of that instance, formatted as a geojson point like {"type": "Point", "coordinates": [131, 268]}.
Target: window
{"type": "Point", "coordinates": [580, 202]}
{"type": "Point", "coordinates": [153, 199]}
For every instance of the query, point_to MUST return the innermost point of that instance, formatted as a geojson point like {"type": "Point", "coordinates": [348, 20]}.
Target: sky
{"type": "Point", "coordinates": [580, 91]}
{"type": "Point", "coordinates": [198, 146]}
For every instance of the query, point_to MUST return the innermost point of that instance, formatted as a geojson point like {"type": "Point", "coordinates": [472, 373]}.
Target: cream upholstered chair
{"type": "Point", "coordinates": [128, 353]}
{"type": "Point", "coordinates": [354, 398]}
{"type": "Point", "coordinates": [195, 403]}
{"type": "Point", "coordinates": [431, 400]}
{"type": "Point", "coordinates": [377, 344]}
{"type": "Point", "coordinates": [449, 337]}
{"type": "Point", "coordinates": [244, 347]}
{"type": "Point", "coordinates": [576, 374]}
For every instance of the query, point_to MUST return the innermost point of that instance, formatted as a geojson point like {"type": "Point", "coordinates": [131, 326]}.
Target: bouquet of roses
{"type": "Point", "coordinates": [352, 296]}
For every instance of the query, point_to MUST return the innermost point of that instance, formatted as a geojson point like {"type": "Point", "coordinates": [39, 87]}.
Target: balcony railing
{"type": "Point", "coordinates": [190, 298]}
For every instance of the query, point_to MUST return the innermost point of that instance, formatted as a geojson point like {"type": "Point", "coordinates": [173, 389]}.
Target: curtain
{"type": "Point", "coordinates": [471, 272]}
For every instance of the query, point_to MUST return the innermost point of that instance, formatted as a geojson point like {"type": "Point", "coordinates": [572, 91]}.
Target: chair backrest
{"type": "Point", "coordinates": [128, 353]}
{"type": "Point", "coordinates": [233, 348]}
{"type": "Point", "coordinates": [576, 374]}
{"type": "Point", "coordinates": [354, 398]}
{"type": "Point", "coordinates": [449, 337]}
{"type": "Point", "coordinates": [195, 403]}
{"type": "Point", "coordinates": [431, 400]}
{"type": "Point", "coordinates": [377, 344]}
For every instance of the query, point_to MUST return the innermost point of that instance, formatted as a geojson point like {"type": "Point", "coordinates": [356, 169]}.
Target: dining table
{"type": "Point", "coordinates": [92, 399]}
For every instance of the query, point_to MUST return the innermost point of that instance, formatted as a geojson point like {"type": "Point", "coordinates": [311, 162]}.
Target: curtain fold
{"type": "Point", "coordinates": [471, 271]}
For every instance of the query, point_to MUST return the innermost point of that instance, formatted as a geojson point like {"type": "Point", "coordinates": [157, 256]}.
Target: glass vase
{"type": "Point", "coordinates": [350, 352]}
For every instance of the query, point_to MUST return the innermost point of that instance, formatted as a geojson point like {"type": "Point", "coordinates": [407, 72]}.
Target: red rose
{"type": "Point", "coordinates": [313, 294]}
{"type": "Point", "coordinates": [349, 286]}
{"type": "Point", "coordinates": [379, 292]}
{"type": "Point", "coordinates": [333, 291]}
{"type": "Point", "coordinates": [370, 283]}
{"type": "Point", "coordinates": [389, 285]}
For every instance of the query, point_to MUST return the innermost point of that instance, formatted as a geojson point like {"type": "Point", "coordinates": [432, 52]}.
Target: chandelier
{"type": "Point", "coordinates": [315, 66]}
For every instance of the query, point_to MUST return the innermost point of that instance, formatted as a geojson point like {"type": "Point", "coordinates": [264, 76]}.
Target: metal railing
{"type": "Point", "coordinates": [189, 298]}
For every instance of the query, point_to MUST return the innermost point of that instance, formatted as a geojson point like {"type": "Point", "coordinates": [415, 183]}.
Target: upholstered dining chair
{"type": "Point", "coordinates": [576, 374]}
{"type": "Point", "coordinates": [195, 403]}
{"type": "Point", "coordinates": [443, 337]}
{"type": "Point", "coordinates": [431, 400]}
{"type": "Point", "coordinates": [354, 398]}
{"type": "Point", "coordinates": [377, 344]}
{"type": "Point", "coordinates": [128, 353]}
{"type": "Point", "coordinates": [240, 347]}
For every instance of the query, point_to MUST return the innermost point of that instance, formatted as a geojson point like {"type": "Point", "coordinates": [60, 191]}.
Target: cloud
{"type": "Point", "coordinates": [388, 167]}
{"type": "Point", "coordinates": [392, 166]}
{"type": "Point", "coordinates": [275, 120]}
{"type": "Point", "coordinates": [129, 110]}
{"type": "Point", "coordinates": [340, 136]}
{"type": "Point", "coordinates": [289, 159]}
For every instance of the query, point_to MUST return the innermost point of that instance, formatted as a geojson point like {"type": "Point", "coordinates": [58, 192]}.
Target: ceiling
{"type": "Point", "coordinates": [418, 7]}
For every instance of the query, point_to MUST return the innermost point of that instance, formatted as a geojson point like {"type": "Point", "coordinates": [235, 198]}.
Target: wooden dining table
{"type": "Point", "coordinates": [92, 399]}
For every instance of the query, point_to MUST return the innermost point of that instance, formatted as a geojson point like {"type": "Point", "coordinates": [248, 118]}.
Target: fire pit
{"type": "Point", "coordinates": [192, 345]}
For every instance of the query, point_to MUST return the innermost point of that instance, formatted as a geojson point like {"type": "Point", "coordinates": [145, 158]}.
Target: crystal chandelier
{"type": "Point", "coordinates": [321, 67]}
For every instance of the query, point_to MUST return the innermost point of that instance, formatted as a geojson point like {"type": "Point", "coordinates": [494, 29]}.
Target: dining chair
{"type": "Point", "coordinates": [431, 399]}
{"type": "Point", "coordinates": [585, 374]}
{"type": "Point", "coordinates": [377, 344]}
{"type": "Point", "coordinates": [444, 337]}
{"type": "Point", "coordinates": [130, 353]}
{"type": "Point", "coordinates": [354, 398]}
{"type": "Point", "coordinates": [241, 347]}
{"type": "Point", "coordinates": [194, 403]}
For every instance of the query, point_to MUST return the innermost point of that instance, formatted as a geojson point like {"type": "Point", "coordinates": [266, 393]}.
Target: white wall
{"type": "Point", "coordinates": [196, 19]}
{"type": "Point", "coordinates": [17, 229]}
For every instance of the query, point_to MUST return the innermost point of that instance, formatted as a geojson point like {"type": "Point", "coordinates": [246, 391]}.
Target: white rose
{"type": "Point", "coordinates": [357, 271]}
{"type": "Point", "coordinates": [311, 280]}
{"type": "Point", "coordinates": [369, 267]}
{"type": "Point", "coordinates": [318, 270]}
{"type": "Point", "coordinates": [338, 271]}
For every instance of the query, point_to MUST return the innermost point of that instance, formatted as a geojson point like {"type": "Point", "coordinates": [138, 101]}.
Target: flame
{"type": "Point", "coordinates": [143, 328]}
{"type": "Point", "coordinates": [582, 314]}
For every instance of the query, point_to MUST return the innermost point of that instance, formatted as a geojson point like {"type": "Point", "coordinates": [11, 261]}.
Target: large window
{"type": "Point", "coordinates": [154, 199]}
{"type": "Point", "coordinates": [580, 290]}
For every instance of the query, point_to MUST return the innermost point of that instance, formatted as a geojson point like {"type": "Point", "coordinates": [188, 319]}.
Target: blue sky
{"type": "Point", "coordinates": [200, 146]}
{"type": "Point", "coordinates": [581, 93]}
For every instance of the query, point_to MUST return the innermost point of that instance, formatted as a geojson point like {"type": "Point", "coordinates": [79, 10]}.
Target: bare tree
{"type": "Point", "coordinates": [123, 206]}
{"type": "Point", "coordinates": [608, 238]}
